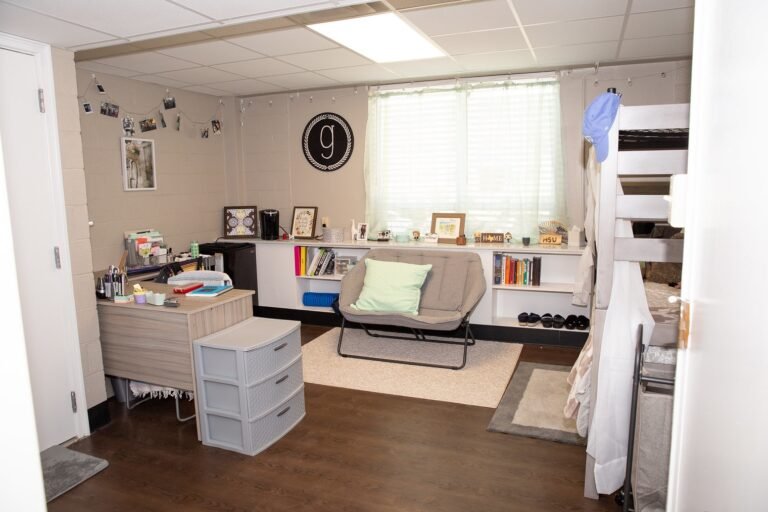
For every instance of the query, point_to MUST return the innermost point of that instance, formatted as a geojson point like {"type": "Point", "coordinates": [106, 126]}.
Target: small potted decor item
{"type": "Point", "coordinates": [461, 240]}
{"type": "Point", "coordinates": [415, 235]}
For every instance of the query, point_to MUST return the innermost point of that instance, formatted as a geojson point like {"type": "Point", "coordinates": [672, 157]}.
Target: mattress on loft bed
{"type": "Point", "coordinates": [641, 140]}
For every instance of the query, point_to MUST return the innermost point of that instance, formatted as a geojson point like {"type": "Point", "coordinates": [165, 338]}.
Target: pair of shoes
{"type": "Point", "coordinates": [570, 322]}
{"type": "Point", "coordinates": [582, 322]}
{"type": "Point", "coordinates": [528, 319]}
{"type": "Point", "coordinates": [557, 321]}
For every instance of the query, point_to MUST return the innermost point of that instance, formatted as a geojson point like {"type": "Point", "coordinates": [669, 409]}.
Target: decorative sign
{"type": "Point", "coordinates": [239, 222]}
{"type": "Point", "coordinates": [327, 141]}
{"type": "Point", "coordinates": [550, 239]}
{"type": "Point", "coordinates": [492, 238]}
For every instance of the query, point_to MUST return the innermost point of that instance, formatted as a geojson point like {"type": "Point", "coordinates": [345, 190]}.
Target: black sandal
{"type": "Point", "coordinates": [570, 322]}
{"type": "Point", "coordinates": [582, 323]}
{"type": "Point", "coordinates": [558, 321]}
{"type": "Point", "coordinates": [523, 319]}
{"type": "Point", "coordinates": [533, 319]}
{"type": "Point", "coordinates": [546, 320]}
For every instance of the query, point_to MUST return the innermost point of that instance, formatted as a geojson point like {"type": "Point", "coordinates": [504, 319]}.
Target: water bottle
{"type": "Point", "coordinates": [194, 249]}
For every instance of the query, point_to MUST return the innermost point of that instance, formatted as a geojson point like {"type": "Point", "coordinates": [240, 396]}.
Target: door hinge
{"type": "Point", "coordinates": [74, 401]}
{"type": "Point", "coordinates": [57, 256]}
{"type": "Point", "coordinates": [41, 100]}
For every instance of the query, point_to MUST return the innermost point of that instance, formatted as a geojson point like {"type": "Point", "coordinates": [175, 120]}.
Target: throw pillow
{"type": "Point", "coordinates": [392, 286]}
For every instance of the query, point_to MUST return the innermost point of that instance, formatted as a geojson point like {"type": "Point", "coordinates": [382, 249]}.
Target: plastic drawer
{"type": "Point", "coordinates": [266, 360]}
{"type": "Point", "coordinates": [218, 362]}
{"type": "Point", "coordinates": [268, 429]}
{"type": "Point", "coordinates": [265, 395]}
{"type": "Point", "coordinates": [219, 396]}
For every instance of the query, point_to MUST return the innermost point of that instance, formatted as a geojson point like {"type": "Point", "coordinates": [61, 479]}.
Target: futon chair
{"type": "Point", "coordinates": [452, 289]}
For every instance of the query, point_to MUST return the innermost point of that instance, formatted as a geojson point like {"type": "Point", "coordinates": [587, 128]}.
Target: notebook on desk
{"type": "Point", "coordinates": [209, 291]}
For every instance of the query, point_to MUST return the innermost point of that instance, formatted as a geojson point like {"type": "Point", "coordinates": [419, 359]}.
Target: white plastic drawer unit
{"type": "Point", "coordinates": [250, 382]}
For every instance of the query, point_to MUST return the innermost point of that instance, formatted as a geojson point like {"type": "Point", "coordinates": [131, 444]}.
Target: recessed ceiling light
{"type": "Point", "coordinates": [380, 37]}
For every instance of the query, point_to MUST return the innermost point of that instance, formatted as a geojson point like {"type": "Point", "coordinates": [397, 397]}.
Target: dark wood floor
{"type": "Point", "coordinates": [354, 451]}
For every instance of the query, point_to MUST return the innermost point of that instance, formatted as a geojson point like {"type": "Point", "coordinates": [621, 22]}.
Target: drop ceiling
{"type": "Point", "coordinates": [244, 47]}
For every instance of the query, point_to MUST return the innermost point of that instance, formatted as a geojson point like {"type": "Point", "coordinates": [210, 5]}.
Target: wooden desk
{"type": "Point", "coordinates": [154, 343]}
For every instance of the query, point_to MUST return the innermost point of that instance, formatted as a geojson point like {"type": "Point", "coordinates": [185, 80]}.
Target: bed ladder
{"type": "Point", "coordinates": [613, 205]}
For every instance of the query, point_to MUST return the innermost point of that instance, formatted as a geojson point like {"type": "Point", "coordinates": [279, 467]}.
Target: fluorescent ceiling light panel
{"type": "Point", "coordinates": [380, 37]}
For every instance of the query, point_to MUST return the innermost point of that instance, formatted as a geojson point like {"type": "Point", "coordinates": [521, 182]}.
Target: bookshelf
{"type": "Point", "coordinates": [280, 287]}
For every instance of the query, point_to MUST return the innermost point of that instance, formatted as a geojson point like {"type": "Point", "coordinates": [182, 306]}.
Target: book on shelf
{"type": "Point", "coordinates": [315, 261]}
{"type": "Point", "coordinates": [327, 257]}
{"type": "Point", "coordinates": [509, 270]}
{"type": "Point", "coordinates": [297, 260]}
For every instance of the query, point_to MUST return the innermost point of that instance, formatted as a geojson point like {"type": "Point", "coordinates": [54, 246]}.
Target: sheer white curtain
{"type": "Point", "coordinates": [490, 150]}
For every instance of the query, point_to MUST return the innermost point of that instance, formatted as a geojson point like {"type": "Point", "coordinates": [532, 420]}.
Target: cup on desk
{"type": "Point", "coordinates": [140, 298]}
{"type": "Point", "coordinates": [156, 299]}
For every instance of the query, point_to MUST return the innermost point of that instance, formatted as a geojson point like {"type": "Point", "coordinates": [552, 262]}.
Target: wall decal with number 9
{"type": "Point", "coordinates": [327, 141]}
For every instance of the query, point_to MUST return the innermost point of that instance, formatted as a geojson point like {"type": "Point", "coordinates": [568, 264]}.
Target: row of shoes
{"type": "Point", "coordinates": [557, 321]}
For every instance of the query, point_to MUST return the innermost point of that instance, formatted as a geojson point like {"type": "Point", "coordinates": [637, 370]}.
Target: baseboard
{"type": "Point", "coordinates": [531, 335]}
{"type": "Point", "coordinates": [98, 416]}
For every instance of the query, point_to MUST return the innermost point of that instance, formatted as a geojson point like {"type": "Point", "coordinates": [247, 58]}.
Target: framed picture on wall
{"type": "Point", "coordinates": [239, 222]}
{"type": "Point", "coordinates": [304, 220]}
{"type": "Point", "coordinates": [448, 226]}
{"type": "Point", "coordinates": [139, 171]}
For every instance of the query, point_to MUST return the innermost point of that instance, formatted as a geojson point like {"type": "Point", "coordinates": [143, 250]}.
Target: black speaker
{"type": "Point", "coordinates": [270, 224]}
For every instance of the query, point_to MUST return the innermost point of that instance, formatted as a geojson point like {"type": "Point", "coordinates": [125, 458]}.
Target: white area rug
{"type": "Point", "coordinates": [481, 382]}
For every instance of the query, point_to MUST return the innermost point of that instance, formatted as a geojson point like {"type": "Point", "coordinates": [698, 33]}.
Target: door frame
{"type": "Point", "coordinates": [41, 53]}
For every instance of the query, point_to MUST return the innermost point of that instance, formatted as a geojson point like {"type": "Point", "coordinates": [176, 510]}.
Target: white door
{"type": "Point", "coordinates": [720, 428]}
{"type": "Point", "coordinates": [36, 214]}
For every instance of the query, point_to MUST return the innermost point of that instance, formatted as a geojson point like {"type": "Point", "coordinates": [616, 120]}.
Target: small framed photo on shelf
{"type": "Point", "coordinates": [239, 222]}
{"type": "Point", "coordinates": [362, 231]}
{"type": "Point", "coordinates": [304, 220]}
{"type": "Point", "coordinates": [448, 226]}
{"type": "Point", "coordinates": [344, 264]}
{"type": "Point", "coordinates": [138, 164]}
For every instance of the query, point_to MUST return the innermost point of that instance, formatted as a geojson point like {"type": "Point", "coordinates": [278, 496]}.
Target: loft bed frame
{"type": "Point", "coordinates": [646, 143]}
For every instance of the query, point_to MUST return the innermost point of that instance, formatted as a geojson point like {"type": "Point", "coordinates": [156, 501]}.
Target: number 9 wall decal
{"type": "Point", "coordinates": [327, 141]}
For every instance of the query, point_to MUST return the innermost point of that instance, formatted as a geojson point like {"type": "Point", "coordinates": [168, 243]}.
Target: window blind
{"type": "Point", "coordinates": [492, 151]}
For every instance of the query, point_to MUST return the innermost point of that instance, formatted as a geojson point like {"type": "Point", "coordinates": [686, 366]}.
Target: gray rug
{"type": "Point", "coordinates": [64, 469]}
{"type": "Point", "coordinates": [532, 405]}
{"type": "Point", "coordinates": [481, 382]}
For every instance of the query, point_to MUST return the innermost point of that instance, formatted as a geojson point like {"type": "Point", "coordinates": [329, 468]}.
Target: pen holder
{"type": "Point", "coordinates": [140, 298]}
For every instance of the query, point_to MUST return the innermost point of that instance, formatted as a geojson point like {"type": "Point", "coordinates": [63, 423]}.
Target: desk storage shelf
{"type": "Point", "coordinates": [250, 383]}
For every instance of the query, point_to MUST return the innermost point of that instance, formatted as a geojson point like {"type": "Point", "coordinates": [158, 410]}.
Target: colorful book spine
{"type": "Point", "coordinates": [303, 260]}
{"type": "Point", "coordinates": [297, 260]}
{"type": "Point", "coordinates": [497, 263]}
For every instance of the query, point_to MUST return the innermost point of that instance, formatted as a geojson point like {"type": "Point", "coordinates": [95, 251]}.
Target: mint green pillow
{"type": "Point", "coordinates": [392, 286]}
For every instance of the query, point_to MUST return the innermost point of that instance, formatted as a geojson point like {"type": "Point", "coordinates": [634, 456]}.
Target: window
{"type": "Point", "coordinates": [491, 150]}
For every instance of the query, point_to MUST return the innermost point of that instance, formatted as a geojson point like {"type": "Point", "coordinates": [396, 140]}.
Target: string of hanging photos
{"type": "Point", "coordinates": [154, 118]}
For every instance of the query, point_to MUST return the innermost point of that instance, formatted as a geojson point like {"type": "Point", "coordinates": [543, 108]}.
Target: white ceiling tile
{"type": "Point", "coordinates": [326, 59]}
{"type": "Point", "coordinates": [497, 61]}
{"type": "Point", "coordinates": [482, 42]}
{"type": "Point", "coordinates": [259, 68]}
{"type": "Point", "coordinates": [119, 18]}
{"type": "Point", "coordinates": [426, 67]}
{"type": "Point", "coordinates": [575, 32]}
{"type": "Point", "coordinates": [97, 67]}
{"type": "Point", "coordinates": [548, 11]}
{"type": "Point", "coordinates": [206, 90]}
{"type": "Point", "coordinates": [360, 74]}
{"type": "Point", "coordinates": [453, 19]}
{"type": "Point", "coordinates": [576, 54]}
{"type": "Point", "coordinates": [659, 5]}
{"type": "Point", "coordinates": [24, 23]}
{"type": "Point", "coordinates": [659, 23]}
{"type": "Point", "coordinates": [146, 62]}
{"type": "Point", "coordinates": [198, 76]}
{"type": "Point", "coordinates": [160, 80]}
{"type": "Point", "coordinates": [211, 52]}
{"type": "Point", "coordinates": [304, 80]}
{"type": "Point", "coordinates": [261, 9]}
{"type": "Point", "coordinates": [657, 47]}
{"type": "Point", "coordinates": [247, 86]}
{"type": "Point", "coordinates": [283, 42]}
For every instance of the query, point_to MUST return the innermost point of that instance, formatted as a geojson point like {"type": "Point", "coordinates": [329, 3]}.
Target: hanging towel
{"type": "Point", "coordinates": [141, 389]}
{"type": "Point", "coordinates": [628, 308]}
